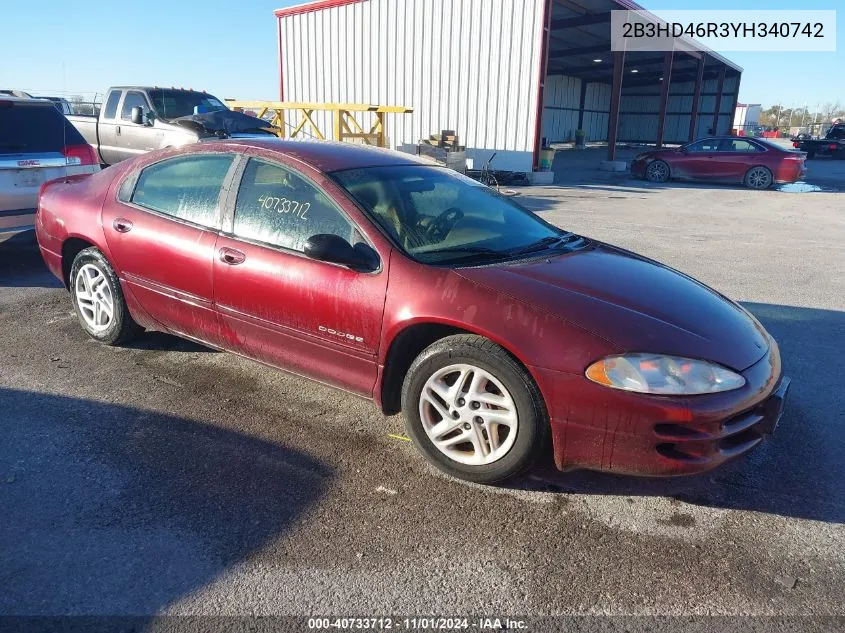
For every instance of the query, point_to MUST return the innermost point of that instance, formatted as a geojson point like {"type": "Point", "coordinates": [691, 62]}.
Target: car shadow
{"type": "Point", "coordinates": [126, 511]}
{"type": "Point", "coordinates": [796, 473]}
{"type": "Point", "coordinates": [21, 265]}
{"type": "Point", "coordinates": [162, 342]}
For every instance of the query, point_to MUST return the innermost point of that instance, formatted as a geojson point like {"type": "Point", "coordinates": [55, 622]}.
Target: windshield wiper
{"type": "Point", "coordinates": [543, 244]}
{"type": "Point", "coordinates": [475, 251]}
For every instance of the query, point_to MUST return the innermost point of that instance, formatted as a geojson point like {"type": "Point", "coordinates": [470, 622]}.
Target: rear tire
{"type": "Point", "coordinates": [494, 421]}
{"type": "Point", "coordinates": [98, 299]}
{"type": "Point", "coordinates": [658, 171]}
{"type": "Point", "coordinates": [759, 177]}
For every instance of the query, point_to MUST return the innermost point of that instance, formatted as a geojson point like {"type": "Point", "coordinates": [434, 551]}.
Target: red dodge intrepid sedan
{"type": "Point", "coordinates": [492, 330]}
{"type": "Point", "coordinates": [755, 163]}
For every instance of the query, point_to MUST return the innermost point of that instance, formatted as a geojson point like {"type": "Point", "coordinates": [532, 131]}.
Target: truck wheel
{"type": "Point", "coordinates": [474, 411]}
{"type": "Point", "coordinates": [759, 178]}
{"type": "Point", "coordinates": [98, 299]}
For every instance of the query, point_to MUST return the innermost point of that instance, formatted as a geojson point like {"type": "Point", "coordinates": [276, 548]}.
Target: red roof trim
{"type": "Point", "coordinates": [312, 6]}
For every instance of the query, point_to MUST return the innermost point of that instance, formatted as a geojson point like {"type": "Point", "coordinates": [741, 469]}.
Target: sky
{"type": "Point", "coordinates": [230, 49]}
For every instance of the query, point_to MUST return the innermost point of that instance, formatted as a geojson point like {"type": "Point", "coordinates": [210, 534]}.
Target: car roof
{"type": "Point", "coordinates": [328, 156]}
{"type": "Point", "coordinates": [29, 101]}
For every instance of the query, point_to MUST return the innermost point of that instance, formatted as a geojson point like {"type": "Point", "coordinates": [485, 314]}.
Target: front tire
{"type": "Point", "coordinates": [759, 178]}
{"type": "Point", "coordinates": [473, 411]}
{"type": "Point", "coordinates": [658, 171]}
{"type": "Point", "coordinates": [98, 299]}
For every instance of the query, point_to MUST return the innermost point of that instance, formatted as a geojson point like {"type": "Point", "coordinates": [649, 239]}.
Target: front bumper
{"type": "Point", "coordinates": [638, 168]}
{"type": "Point", "coordinates": [597, 428]}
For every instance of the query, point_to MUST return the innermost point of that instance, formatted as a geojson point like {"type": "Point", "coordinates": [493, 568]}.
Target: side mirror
{"type": "Point", "coordinates": [326, 247]}
{"type": "Point", "coordinates": [137, 115]}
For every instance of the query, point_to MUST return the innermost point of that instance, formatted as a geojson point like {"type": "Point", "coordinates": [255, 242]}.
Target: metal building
{"type": "Point", "coordinates": [504, 74]}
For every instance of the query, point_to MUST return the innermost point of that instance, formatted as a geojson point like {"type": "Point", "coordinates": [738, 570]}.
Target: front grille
{"type": "Point", "coordinates": [705, 442]}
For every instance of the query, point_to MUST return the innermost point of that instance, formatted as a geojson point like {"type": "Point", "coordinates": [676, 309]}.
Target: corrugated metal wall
{"type": "Point", "coordinates": [467, 65]}
{"type": "Point", "coordinates": [562, 101]}
{"type": "Point", "coordinates": [639, 107]}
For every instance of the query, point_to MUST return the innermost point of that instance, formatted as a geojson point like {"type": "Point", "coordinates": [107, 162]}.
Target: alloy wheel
{"type": "Point", "coordinates": [759, 178]}
{"type": "Point", "coordinates": [658, 171]}
{"type": "Point", "coordinates": [94, 297]}
{"type": "Point", "coordinates": [468, 414]}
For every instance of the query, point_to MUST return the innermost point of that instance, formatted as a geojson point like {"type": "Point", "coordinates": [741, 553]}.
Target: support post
{"type": "Point", "coordinates": [736, 99]}
{"type": "Point", "coordinates": [664, 96]}
{"type": "Point", "coordinates": [696, 98]}
{"type": "Point", "coordinates": [583, 104]}
{"type": "Point", "coordinates": [718, 106]}
{"type": "Point", "coordinates": [615, 98]}
{"type": "Point", "coordinates": [544, 66]}
{"type": "Point", "coordinates": [338, 125]}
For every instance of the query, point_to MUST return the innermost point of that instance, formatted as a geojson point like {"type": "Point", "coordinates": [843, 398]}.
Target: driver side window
{"type": "Point", "coordinates": [131, 100]}
{"type": "Point", "coordinates": [277, 207]}
{"type": "Point", "coordinates": [706, 145]}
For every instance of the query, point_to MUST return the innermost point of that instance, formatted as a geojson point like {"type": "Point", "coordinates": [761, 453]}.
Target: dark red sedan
{"type": "Point", "coordinates": [755, 163]}
{"type": "Point", "coordinates": [410, 284]}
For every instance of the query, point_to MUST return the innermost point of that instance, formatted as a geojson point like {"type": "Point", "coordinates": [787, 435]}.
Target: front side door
{"type": "Point", "coordinates": [275, 304]}
{"type": "Point", "coordinates": [134, 138]}
{"type": "Point", "coordinates": [697, 161]}
{"type": "Point", "coordinates": [161, 228]}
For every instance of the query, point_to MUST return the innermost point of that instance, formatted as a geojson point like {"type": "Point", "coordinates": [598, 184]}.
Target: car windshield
{"type": "Point", "coordinates": [171, 104]}
{"type": "Point", "coordinates": [439, 216]}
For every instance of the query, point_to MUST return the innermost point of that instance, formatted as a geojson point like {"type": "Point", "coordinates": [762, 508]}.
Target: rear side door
{"type": "Point", "coordinates": [736, 157]}
{"type": "Point", "coordinates": [161, 228]}
{"type": "Point", "coordinates": [275, 304]}
{"type": "Point", "coordinates": [107, 129]}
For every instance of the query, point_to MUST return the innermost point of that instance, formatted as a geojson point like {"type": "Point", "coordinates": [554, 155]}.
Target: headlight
{"type": "Point", "coordinates": [663, 375]}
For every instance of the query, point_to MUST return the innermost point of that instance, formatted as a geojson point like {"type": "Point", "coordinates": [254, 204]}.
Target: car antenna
{"type": "Point", "coordinates": [64, 123]}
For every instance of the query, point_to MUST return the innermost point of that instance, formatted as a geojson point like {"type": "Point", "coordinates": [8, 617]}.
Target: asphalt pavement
{"type": "Point", "coordinates": [167, 478]}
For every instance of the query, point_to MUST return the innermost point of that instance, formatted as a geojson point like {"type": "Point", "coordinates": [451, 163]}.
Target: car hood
{"type": "Point", "coordinates": [637, 304]}
{"type": "Point", "coordinates": [226, 122]}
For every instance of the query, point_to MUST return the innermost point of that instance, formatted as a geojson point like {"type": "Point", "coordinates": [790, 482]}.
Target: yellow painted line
{"type": "Point", "coordinates": [398, 437]}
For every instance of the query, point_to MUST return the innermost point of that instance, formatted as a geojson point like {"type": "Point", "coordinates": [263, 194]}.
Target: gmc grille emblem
{"type": "Point", "coordinates": [349, 337]}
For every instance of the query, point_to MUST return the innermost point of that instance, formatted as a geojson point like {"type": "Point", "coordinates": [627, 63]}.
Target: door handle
{"type": "Point", "coordinates": [122, 225]}
{"type": "Point", "coordinates": [117, 130]}
{"type": "Point", "coordinates": [231, 256]}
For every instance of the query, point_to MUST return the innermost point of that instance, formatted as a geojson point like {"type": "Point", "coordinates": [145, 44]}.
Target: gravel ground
{"type": "Point", "coordinates": [164, 477]}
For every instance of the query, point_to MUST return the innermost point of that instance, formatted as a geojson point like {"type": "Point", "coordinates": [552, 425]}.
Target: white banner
{"type": "Point", "coordinates": [724, 30]}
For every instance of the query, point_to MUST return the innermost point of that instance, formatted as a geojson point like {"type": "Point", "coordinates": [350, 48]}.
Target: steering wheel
{"type": "Point", "coordinates": [442, 224]}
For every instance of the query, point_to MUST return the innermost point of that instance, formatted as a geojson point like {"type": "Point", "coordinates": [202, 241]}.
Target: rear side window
{"type": "Point", "coordinates": [187, 188]}
{"type": "Point", "coordinates": [132, 100]}
{"type": "Point", "coordinates": [35, 127]}
{"type": "Point", "coordinates": [278, 207]}
{"type": "Point", "coordinates": [739, 145]}
{"type": "Point", "coordinates": [111, 104]}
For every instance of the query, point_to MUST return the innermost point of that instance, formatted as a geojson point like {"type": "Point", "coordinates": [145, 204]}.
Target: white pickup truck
{"type": "Point", "coordinates": [138, 119]}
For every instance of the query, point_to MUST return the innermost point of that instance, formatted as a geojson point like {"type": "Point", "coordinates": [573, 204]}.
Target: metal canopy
{"type": "Point", "coordinates": [579, 46]}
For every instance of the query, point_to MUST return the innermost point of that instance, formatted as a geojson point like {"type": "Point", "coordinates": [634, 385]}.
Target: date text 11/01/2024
{"type": "Point", "coordinates": [418, 624]}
